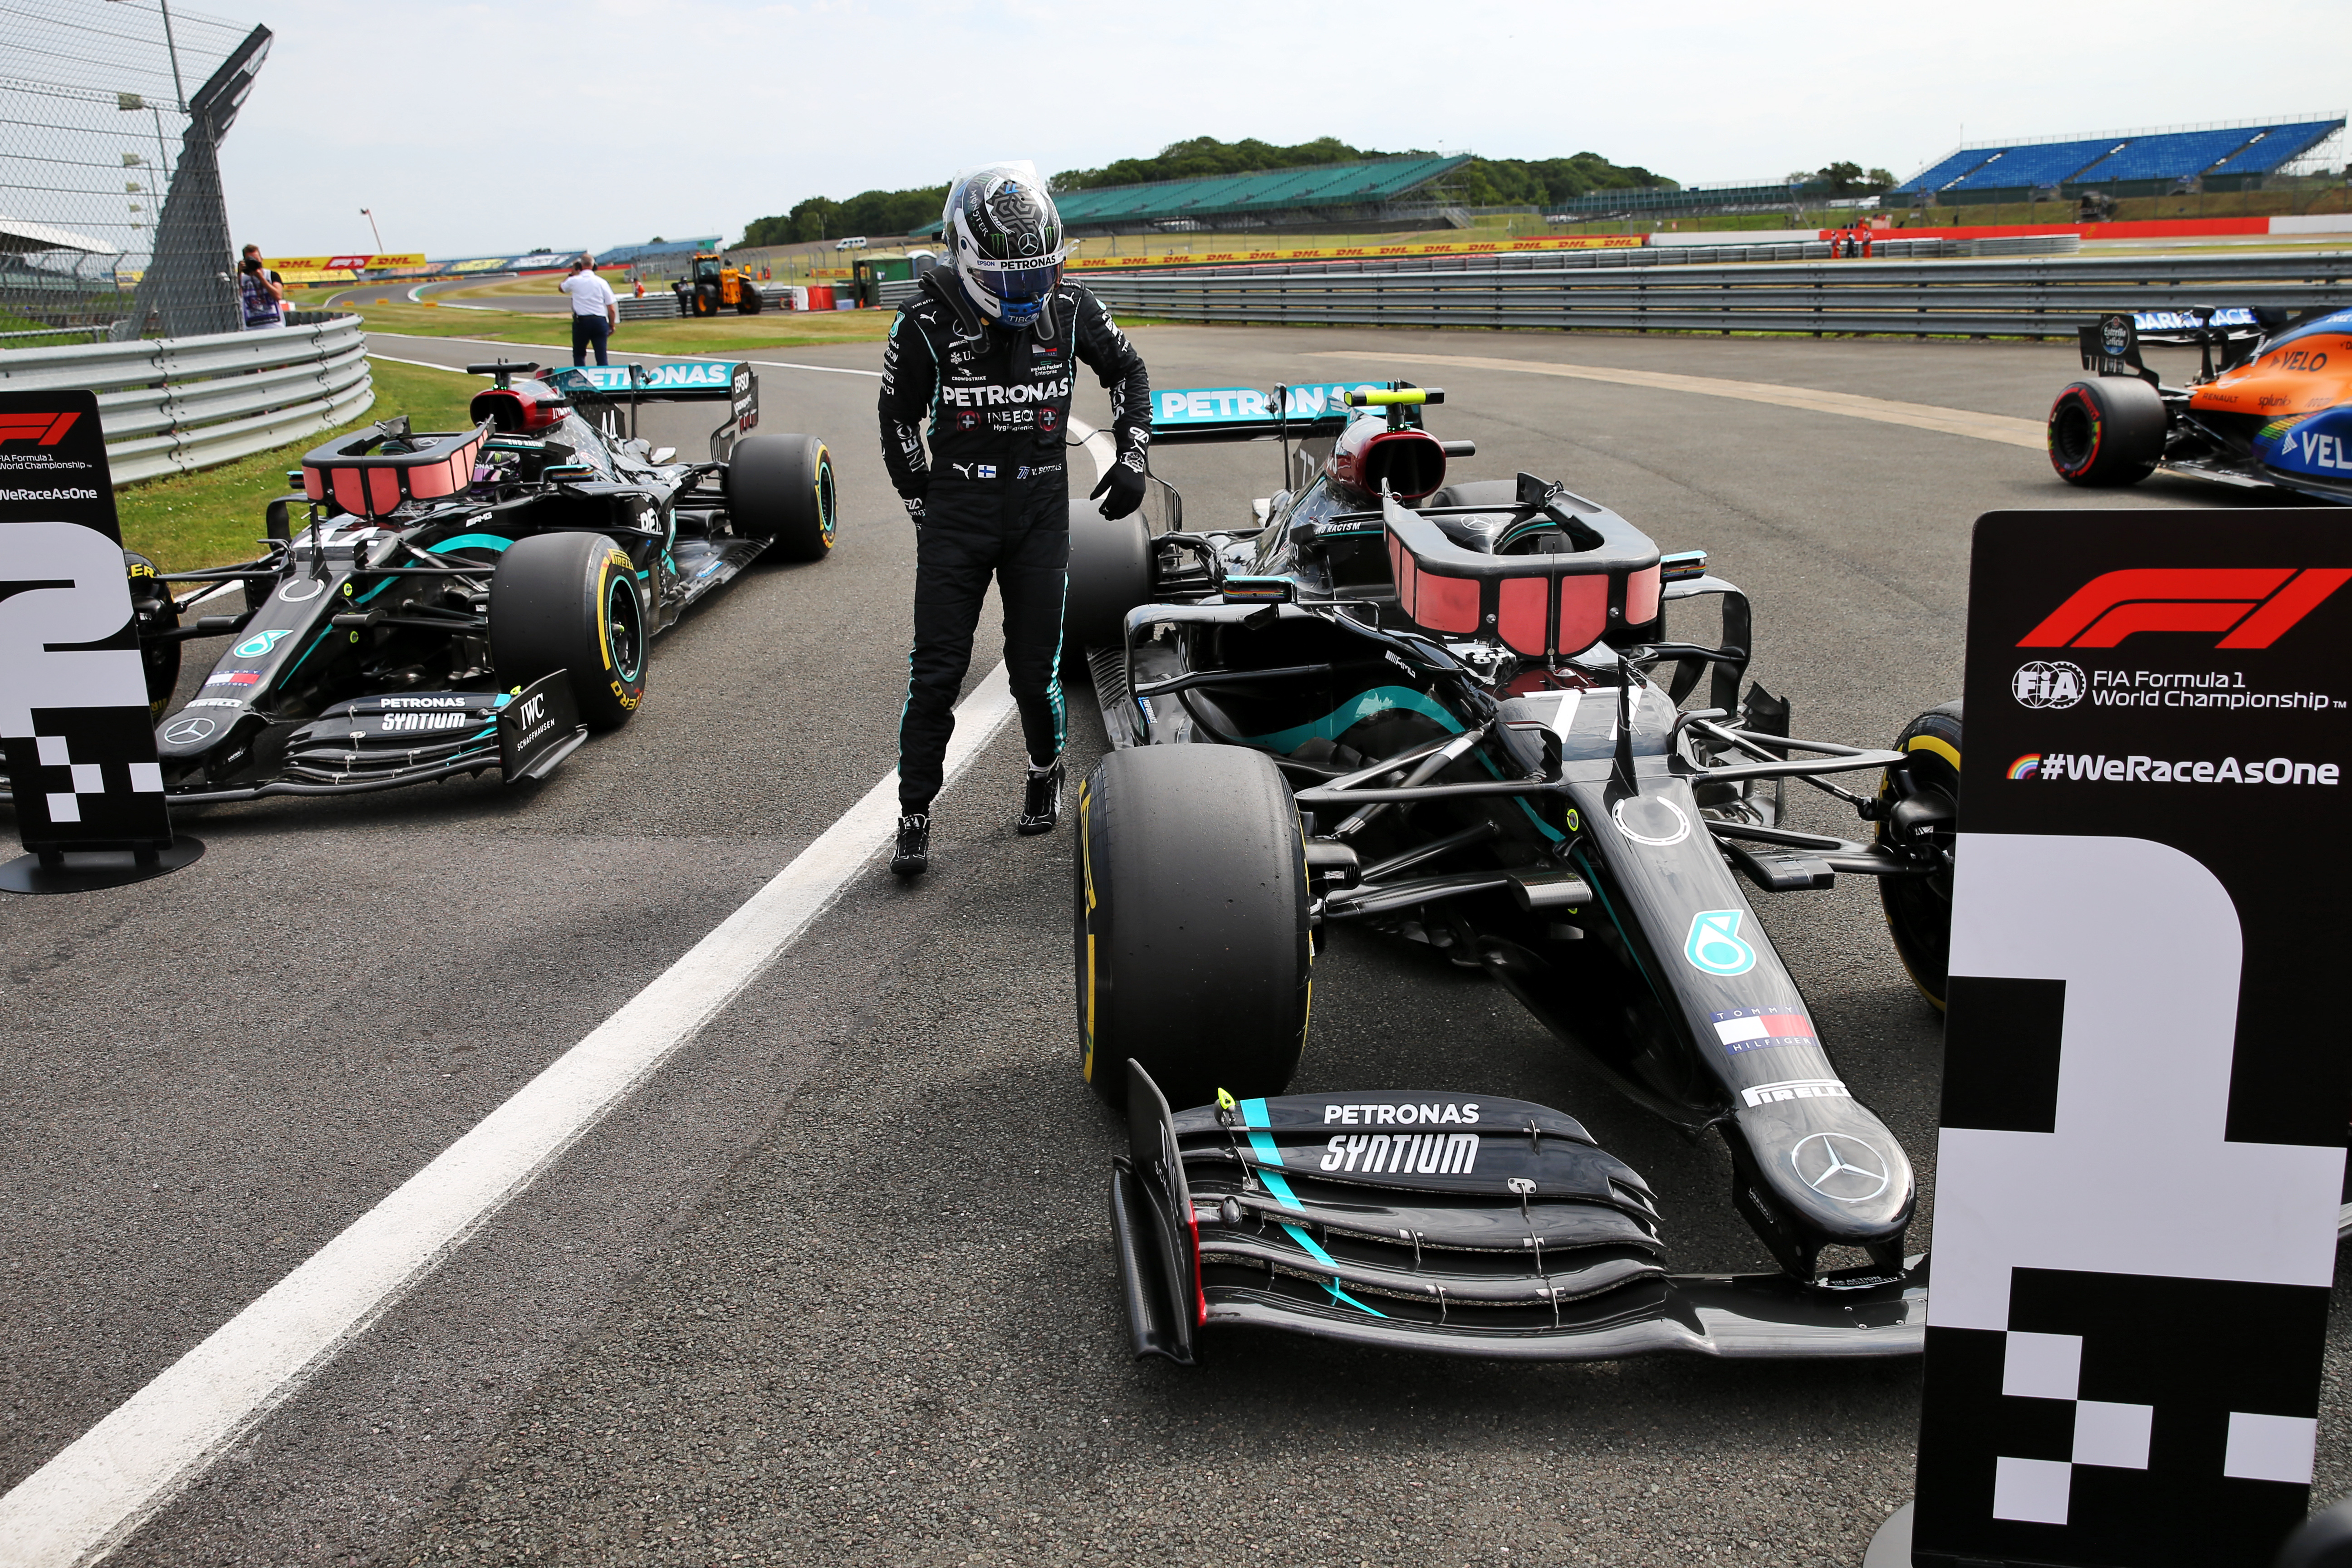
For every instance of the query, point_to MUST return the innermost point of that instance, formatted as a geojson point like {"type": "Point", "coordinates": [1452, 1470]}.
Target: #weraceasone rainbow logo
{"type": "Point", "coordinates": [2027, 766]}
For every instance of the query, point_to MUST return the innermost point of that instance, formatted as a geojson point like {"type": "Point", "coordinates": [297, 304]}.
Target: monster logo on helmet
{"type": "Point", "coordinates": [1005, 239]}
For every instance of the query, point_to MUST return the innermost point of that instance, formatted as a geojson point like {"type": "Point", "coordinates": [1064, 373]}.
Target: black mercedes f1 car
{"type": "Point", "coordinates": [1452, 712]}
{"type": "Point", "coordinates": [433, 604]}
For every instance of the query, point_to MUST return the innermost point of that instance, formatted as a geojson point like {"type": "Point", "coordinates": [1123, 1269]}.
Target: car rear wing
{"type": "Point", "coordinates": [613, 386]}
{"type": "Point", "coordinates": [2110, 346]}
{"type": "Point", "coordinates": [1249, 414]}
{"type": "Point", "coordinates": [674, 380]}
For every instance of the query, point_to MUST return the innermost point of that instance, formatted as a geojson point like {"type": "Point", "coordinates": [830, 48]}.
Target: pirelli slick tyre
{"type": "Point", "coordinates": [2107, 431]}
{"type": "Point", "coordinates": [1193, 945]}
{"type": "Point", "coordinates": [570, 601]}
{"type": "Point", "coordinates": [781, 489]}
{"type": "Point", "coordinates": [1919, 909]}
{"type": "Point", "coordinates": [1110, 574]}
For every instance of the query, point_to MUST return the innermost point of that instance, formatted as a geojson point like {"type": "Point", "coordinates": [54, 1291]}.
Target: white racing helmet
{"type": "Point", "coordinates": [1005, 241]}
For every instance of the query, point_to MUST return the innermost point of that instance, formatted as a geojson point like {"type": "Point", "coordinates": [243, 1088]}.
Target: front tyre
{"type": "Point", "coordinates": [153, 607]}
{"type": "Point", "coordinates": [781, 489]}
{"type": "Point", "coordinates": [2105, 432]}
{"type": "Point", "coordinates": [1190, 919]}
{"type": "Point", "coordinates": [1925, 795]}
{"type": "Point", "coordinates": [570, 601]}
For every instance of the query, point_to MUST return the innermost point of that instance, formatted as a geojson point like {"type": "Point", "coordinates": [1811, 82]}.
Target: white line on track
{"type": "Point", "coordinates": [100, 1487]}
{"type": "Point", "coordinates": [419, 363]}
{"type": "Point", "coordinates": [1969, 421]}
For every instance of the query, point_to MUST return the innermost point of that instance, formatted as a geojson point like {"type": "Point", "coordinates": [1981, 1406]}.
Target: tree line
{"type": "Point", "coordinates": [1481, 182]}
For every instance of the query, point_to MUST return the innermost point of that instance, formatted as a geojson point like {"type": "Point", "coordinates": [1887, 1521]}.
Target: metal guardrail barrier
{"type": "Point", "coordinates": [2035, 297]}
{"type": "Point", "coordinates": [176, 405]}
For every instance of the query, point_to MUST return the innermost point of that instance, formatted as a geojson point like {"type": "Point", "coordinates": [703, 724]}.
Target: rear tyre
{"type": "Point", "coordinates": [1110, 574]}
{"type": "Point", "coordinates": [1190, 919]}
{"type": "Point", "coordinates": [1919, 909]}
{"type": "Point", "coordinates": [570, 601]}
{"type": "Point", "coordinates": [2108, 431]}
{"type": "Point", "coordinates": [781, 489]}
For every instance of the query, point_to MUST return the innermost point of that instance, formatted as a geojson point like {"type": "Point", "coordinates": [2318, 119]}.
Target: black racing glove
{"type": "Point", "coordinates": [914, 505]}
{"type": "Point", "coordinates": [1124, 480]}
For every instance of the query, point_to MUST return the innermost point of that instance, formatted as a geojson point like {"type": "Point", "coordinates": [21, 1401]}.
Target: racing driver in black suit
{"type": "Point", "coordinates": [986, 349]}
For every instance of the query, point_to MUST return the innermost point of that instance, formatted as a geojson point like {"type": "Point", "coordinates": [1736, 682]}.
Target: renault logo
{"type": "Point", "coordinates": [1840, 1167]}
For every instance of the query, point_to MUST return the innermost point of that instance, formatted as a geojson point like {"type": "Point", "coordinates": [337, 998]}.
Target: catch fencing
{"type": "Point", "coordinates": [1662, 291]}
{"type": "Point", "coordinates": [177, 405]}
{"type": "Point", "coordinates": [113, 220]}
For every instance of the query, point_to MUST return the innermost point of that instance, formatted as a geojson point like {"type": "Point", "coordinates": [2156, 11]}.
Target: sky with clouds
{"type": "Point", "coordinates": [475, 128]}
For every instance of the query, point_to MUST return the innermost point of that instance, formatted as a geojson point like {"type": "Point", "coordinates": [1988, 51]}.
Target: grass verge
{"type": "Point", "coordinates": [714, 335]}
{"type": "Point", "coordinates": [209, 519]}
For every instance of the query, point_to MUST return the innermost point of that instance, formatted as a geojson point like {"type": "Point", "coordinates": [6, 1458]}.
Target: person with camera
{"type": "Point", "coordinates": [260, 292]}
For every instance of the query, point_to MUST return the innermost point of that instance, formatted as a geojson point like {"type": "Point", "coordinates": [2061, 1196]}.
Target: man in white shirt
{"type": "Point", "coordinates": [595, 310]}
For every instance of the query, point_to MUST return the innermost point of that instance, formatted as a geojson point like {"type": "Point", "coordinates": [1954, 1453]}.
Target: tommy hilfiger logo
{"type": "Point", "coordinates": [2255, 607]}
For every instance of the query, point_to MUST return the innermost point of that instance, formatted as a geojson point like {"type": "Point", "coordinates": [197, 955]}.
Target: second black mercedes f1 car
{"type": "Point", "coordinates": [1451, 712]}
{"type": "Point", "coordinates": [446, 604]}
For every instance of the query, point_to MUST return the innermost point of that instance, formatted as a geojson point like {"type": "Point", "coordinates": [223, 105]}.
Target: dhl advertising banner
{"type": "Point", "coordinates": [1364, 252]}
{"type": "Point", "coordinates": [335, 269]}
{"type": "Point", "coordinates": [2147, 1069]}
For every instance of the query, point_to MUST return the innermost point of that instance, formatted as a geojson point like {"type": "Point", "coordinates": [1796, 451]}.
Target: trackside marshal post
{"type": "Point", "coordinates": [2146, 1062]}
{"type": "Point", "coordinates": [74, 719]}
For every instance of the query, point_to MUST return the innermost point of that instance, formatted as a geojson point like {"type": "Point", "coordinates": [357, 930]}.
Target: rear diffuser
{"type": "Point", "coordinates": [1478, 1226]}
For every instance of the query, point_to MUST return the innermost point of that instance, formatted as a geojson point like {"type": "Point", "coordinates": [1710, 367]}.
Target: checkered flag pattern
{"type": "Point", "coordinates": [2149, 1414]}
{"type": "Point", "coordinates": [86, 778]}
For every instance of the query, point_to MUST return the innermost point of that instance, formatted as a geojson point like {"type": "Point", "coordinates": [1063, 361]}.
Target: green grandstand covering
{"type": "Point", "coordinates": [1269, 194]}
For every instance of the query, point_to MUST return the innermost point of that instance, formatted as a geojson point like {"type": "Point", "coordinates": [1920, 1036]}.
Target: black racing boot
{"type": "Point", "coordinates": [1041, 803]}
{"type": "Point", "coordinates": [913, 856]}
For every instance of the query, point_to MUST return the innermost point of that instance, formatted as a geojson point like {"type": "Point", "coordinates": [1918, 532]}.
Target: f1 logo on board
{"type": "Point", "coordinates": [2254, 606]}
{"type": "Point", "coordinates": [41, 429]}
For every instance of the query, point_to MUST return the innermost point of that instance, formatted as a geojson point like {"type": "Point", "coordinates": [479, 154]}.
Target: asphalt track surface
{"type": "Point", "coordinates": [834, 1285]}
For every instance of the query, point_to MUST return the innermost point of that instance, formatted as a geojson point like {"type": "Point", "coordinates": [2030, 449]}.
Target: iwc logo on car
{"type": "Point", "coordinates": [2049, 683]}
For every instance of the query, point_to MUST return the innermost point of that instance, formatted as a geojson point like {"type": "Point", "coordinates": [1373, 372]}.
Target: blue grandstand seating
{"type": "Point", "coordinates": [2123, 159]}
{"type": "Point", "coordinates": [2174, 157]}
{"type": "Point", "coordinates": [1938, 175]}
{"type": "Point", "coordinates": [2279, 145]}
{"type": "Point", "coordinates": [2045, 163]}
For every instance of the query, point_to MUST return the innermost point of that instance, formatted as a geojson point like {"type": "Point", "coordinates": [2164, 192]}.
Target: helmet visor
{"type": "Point", "coordinates": [1028, 277]}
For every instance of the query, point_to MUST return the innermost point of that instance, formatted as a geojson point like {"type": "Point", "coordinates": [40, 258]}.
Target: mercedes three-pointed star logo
{"type": "Point", "coordinates": [1840, 1167]}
